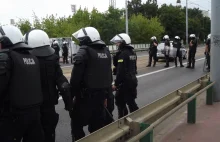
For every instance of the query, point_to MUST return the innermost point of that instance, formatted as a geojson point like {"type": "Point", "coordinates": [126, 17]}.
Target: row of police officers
{"type": "Point", "coordinates": [31, 81]}
{"type": "Point", "coordinates": [177, 45]}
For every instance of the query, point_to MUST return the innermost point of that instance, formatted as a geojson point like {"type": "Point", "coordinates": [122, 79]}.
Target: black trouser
{"type": "Point", "coordinates": [208, 59]}
{"type": "Point", "coordinates": [152, 54]}
{"type": "Point", "coordinates": [88, 111]}
{"type": "Point", "coordinates": [167, 58]}
{"type": "Point", "coordinates": [125, 96]}
{"type": "Point", "coordinates": [65, 58]}
{"type": "Point", "coordinates": [191, 58]}
{"type": "Point", "coordinates": [110, 108]}
{"type": "Point", "coordinates": [179, 55]}
{"type": "Point", "coordinates": [21, 125]}
{"type": "Point", "coordinates": [49, 120]}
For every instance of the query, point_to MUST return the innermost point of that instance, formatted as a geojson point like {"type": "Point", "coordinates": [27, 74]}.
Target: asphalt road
{"type": "Point", "coordinates": [153, 83]}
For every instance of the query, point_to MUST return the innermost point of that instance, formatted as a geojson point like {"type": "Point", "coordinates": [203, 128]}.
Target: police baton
{"type": "Point", "coordinates": [109, 114]}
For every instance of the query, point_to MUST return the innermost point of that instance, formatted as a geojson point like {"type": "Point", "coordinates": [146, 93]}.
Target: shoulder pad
{"type": "Point", "coordinates": [77, 60]}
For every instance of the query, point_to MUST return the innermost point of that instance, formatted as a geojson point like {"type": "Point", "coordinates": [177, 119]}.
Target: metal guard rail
{"type": "Point", "coordinates": [148, 117]}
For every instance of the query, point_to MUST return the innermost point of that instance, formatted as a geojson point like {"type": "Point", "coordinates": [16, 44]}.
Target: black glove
{"type": "Point", "coordinates": [66, 95]}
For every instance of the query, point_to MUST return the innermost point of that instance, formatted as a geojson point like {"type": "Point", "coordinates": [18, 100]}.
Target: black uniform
{"type": "Point", "coordinates": [90, 81]}
{"type": "Point", "coordinates": [52, 80]}
{"type": "Point", "coordinates": [126, 81]}
{"type": "Point", "coordinates": [65, 53]}
{"type": "Point", "coordinates": [56, 48]}
{"type": "Point", "coordinates": [177, 44]}
{"type": "Point", "coordinates": [192, 53]}
{"type": "Point", "coordinates": [152, 53]}
{"type": "Point", "coordinates": [21, 96]}
{"type": "Point", "coordinates": [167, 52]}
{"type": "Point", "coordinates": [208, 43]}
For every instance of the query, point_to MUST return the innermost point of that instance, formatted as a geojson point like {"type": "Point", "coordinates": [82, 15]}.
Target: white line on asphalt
{"type": "Point", "coordinates": [150, 73]}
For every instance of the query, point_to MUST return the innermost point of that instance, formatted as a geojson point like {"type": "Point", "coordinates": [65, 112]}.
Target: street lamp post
{"type": "Point", "coordinates": [187, 23]}
{"type": "Point", "coordinates": [126, 15]}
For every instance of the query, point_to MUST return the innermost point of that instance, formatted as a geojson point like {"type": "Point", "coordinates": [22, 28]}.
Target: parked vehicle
{"type": "Point", "coordinates": [160, 51]}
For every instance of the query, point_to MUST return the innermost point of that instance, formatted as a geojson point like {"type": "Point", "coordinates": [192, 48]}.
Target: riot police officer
{"type": "Point", "coordinates": [51, 78]}
{"type": "Point", "coordinates": [56, 47]}
{"type": "Point", "coordinates": [192, 51]}
{"type": "Point", "coordinates": [90, 81]}
{"type": "Point", "coordinates": [207, 51]}
{"type": "Point", "coordinates": [153, 51]}
{"type": "Point", "coordinates": [65, 52]}
{"type": "Point", "coordinates": [167, 50]}
{"type": "Point", "coordinates": [177, 45]}
{"type": "Point", "coordinates": [126, 81]}
{"type": "Point", "coordinates": [20, 89]}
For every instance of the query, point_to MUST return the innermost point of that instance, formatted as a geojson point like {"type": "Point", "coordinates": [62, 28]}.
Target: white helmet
{"type": "Point", "coordinates": [121, 38]}
{"type": "Point", "coordinates": [11, 35]}
{"type": "Point", "coordinates": [209, 36]}
{"type": "Point", "coordinates": [166, 37]}
{"type": "Point", "coordinates": [153, 38]}
{"type": "Point", "coordinates": [88, 35]}
{"type": "Point", "coordinates": [177, 37]}
{"type": "Point", "coordinates": [39, 40]}
{"type": "Point", "coordinates": [192, 36]}
{"type": "Point", "coordinates": [55, 42]}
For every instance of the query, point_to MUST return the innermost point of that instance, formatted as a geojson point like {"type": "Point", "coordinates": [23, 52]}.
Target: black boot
{"type": "Point", "coordinates": [166, 66]}
{"type": "Point", "coordinates": [193, 65]}
{"type": "Point", "coordinates": [175, 62]}
{"type": "Point", "coordinates": [189, 65]}
{"type": "Point", "coordinates": [181, 63]}
{"type": "Point", "coordinates": [154, 63]}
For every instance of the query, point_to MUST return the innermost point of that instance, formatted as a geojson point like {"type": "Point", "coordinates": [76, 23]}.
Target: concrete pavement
{"type": "Point", "coordinates": [206, 129]}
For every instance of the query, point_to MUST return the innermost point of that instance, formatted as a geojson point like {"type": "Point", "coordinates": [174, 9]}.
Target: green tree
{"type": "Point", "coordinates": [36, 23]}
{"type": "Point", "coordinates": [24, 25]}
{"type": "Point", "coordinates": [173, 20]}
{"type": "Point", "coordinates": [150, 9]}
{"type": "Point", "coordinates": [142, 29]}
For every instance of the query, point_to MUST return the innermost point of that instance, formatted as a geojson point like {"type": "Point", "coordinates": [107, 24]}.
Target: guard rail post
{"type": "Point", "coordinates": [191, 109]}
{"type": "Point", "coordinates": [209, 95]}
{"type": "Point", "coordinates": [149, 136]}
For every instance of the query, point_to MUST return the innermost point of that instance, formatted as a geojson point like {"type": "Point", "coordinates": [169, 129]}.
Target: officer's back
{"type": "Point", "coordinates": [20, 89]}
{"type": "Point", "coordinates": [90, 81]}
{"type": "Point", "coordinates": [52, 80]}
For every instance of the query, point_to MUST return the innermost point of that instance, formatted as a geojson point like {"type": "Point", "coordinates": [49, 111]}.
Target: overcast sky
{"type": "Point", "coordinates": [14, 9]}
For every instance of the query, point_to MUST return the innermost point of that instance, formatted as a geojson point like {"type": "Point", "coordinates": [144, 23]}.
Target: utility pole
{"type": "Point", "coordinates": [126, 15]}
{"type": "Point", "coordinates": [215, 47]}
{"type": "Point", "coordinates": [187, 34]}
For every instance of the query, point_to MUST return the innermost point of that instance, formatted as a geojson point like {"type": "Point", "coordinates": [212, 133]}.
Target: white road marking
{"type": "Point", "coordinates": [150, 73]}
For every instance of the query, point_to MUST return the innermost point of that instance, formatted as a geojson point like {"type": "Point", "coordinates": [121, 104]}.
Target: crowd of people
{"type": "Point", "coordinates": [31, 81]}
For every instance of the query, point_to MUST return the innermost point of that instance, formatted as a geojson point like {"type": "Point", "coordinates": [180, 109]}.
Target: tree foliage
{"type": "Point", "coordinates": [145, 20]}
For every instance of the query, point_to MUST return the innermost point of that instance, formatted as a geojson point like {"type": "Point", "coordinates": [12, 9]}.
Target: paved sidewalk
{"type": "Point", "coordinates": [206, 129]}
